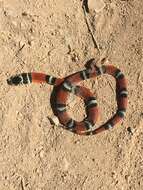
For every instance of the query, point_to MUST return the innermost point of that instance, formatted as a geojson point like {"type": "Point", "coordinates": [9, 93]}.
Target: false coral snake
{"type": "Point", "coordinates": [62, 88]}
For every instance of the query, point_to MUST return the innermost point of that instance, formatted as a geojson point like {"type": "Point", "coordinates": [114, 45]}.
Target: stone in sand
{"type": "Point", "coordinates": [97, 5]}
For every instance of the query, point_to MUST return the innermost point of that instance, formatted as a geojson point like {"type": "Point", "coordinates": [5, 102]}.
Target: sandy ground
{"type": "Point", "coordinates": [34, 154]}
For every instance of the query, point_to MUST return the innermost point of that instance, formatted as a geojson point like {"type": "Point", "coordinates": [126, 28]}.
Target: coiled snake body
{"type": "Point", "coordinates": [62, 88]}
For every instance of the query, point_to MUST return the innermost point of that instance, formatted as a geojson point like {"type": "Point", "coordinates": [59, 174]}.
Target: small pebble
{"type": "Point", "coordinates": [97, 5]}
{"type": "Point", "coordinates": [24, 14]}
{"type": "Point", "coordinates": [129, 129]}
{"type": "Point", "coordinates": [55, 120]}
{"type": "Point", "coordinates": [41, 154]}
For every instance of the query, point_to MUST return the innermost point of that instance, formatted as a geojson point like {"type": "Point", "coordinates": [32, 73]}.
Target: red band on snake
{"type": "Point", "coordinates": [62, 88]}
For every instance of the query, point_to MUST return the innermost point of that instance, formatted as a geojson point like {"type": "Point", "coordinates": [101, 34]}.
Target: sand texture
{"type": "Point", "coordinates": [52, 37]}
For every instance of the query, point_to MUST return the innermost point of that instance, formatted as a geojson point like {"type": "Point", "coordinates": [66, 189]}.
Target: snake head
{"type": "Point", "coordinates": [90, 63]}
{"type": "Point", "coordinates": [15, 80]}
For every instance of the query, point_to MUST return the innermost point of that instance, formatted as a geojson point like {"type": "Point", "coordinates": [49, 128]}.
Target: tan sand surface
{"type": "Point", "coordinates": [36, 155]}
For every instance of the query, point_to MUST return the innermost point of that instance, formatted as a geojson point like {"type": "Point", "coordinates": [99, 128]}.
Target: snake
{"type": "Point", "coordinates": [69, 84]}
